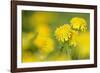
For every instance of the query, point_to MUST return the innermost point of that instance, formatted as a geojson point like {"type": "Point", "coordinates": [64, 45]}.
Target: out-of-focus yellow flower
{"type": "Point", "coordinates": [26, 38]}
{"type": "Point", "coordinates": [45, 44]}
{"type": "Point", "coordinates": [39, 41]}
{"type": "Point", "coordinates": [84, 45]}
{"type": "Point", "coordinates": [74, 38]}
{"type": "Point", "coordinates": [44, 41]}
{"type": "Point", "coordinates": [79, 23]}
{"type": "Point", "coordinates": [43, 31]}
{"type": "Point", "coordinates": [63, 33]}
{"type": "Point", "coordinates": [49, 45]}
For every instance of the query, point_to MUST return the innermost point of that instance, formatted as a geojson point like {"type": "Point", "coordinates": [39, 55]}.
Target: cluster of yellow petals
{"type": "Point", "coordinates": [63, 33]}
{"type": "Point", "coordinates": [79, 23]}
{"type": "Point", "coordinates": [66, 32]}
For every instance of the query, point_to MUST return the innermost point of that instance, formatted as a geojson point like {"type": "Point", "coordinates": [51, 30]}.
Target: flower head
{"type": "Point", "coordinates": [63, 32]}
{"type": "Point", "coordinates": [79, 23]}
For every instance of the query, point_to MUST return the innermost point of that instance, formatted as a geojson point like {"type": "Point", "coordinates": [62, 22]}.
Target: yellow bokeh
{"type": "Point", "coordinates": [43, 31]}
{"type": "Point", "coordinates": [44, 41]}
{"type": "Point", "coordinates": [61, 57]}
{"type": "Point", "coordinates": [84, 45]}
{"type": "Point", "coordinates": [45, 44]}
{"type": "Point", "coordinates": [28, 57]}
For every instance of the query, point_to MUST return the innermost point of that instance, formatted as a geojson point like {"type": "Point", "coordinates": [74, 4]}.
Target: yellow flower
{"type": "Point", "coordinates": [49, 45]}
{"type": "Point", "coordinates": [45, 44]}
{"type": "Point", "coordinates": [44, 41]}
{"type": "Point", "coordinates": [63, 32]}
{"type": "Point", "coordinates": [43, 31]}
{"type": "Point", "coordinates": [79, 23]}
{"type": "Point", "coordinates": [74, 38]}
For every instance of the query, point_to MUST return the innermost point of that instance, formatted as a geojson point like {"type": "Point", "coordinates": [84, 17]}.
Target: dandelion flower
{"type": "Point", "coordinates": [63, 33]}
{"type": "Point", "coordinates": [79, 23]}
